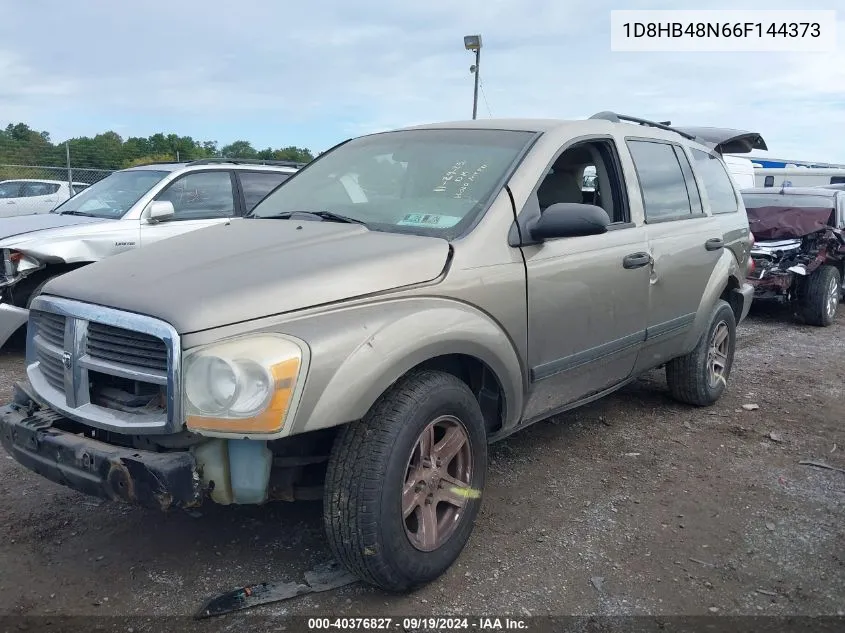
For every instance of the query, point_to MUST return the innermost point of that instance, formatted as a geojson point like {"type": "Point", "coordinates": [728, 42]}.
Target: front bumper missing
{"type": "Point", "coordinates": [154, 480]}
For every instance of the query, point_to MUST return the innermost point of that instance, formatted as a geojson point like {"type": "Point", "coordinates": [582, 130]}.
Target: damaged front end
{"type": "Point", "coordinates": [60, 450]}
{"type": "Point", "coordinates": [791, 243]}
{"type": "Point", "coordinates": [779, 265]}
{"type": "Point", "coordinates": [167, 472]}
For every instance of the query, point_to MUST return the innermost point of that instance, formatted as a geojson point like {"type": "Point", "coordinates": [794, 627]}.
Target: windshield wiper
{"type": "Point", "coordinates": [87, 215]}
{"type": "Point", "coordinates": [323, 215]}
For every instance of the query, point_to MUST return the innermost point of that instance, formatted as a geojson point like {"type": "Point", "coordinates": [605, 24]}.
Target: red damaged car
{"type": "Point", "coordinates": [799, 248]}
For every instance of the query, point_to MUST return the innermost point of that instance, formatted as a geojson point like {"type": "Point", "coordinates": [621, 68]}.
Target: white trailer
{"type": "Point", "coordinates": [797, 176]}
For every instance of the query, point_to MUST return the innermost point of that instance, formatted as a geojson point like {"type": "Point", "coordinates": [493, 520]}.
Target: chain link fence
{"type": "Point", "coordinates": [36, 176]}
{"type": "Point", "coordinates": [78, 175]}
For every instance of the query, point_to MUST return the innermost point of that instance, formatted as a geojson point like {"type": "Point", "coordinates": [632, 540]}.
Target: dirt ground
{"type": "Point", "coordinates": [632, 505]}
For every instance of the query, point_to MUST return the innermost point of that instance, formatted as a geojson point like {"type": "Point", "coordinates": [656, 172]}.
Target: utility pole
{"type": "Point", "coordinates": [473, 43]}
{"type": "Point", "coordinates": [69, 169]}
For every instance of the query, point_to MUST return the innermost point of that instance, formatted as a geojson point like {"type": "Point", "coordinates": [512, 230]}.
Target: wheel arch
{"type": "Point", "coordinates": [442, 335]}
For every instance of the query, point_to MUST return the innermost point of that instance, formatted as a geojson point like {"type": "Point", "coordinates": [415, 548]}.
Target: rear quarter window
{"type": "Point", "coordinates": [717, 183]}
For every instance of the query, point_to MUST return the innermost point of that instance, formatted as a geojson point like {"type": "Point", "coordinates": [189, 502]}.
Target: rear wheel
{"type": "Point", "coordinates": [403, 485]}
{"type": "Point", "coordinates": [701, 377]}
{"type": "Point", "coordinates": [819, 296]}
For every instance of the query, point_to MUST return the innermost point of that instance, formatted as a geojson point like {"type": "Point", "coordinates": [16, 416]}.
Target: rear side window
{"type": "Point", "coordinates": [837, 180]}
{"type": "Point", "coordinates": [662, 182]}
{"type": "Point", "coordinates": [717, 183]}
{"type": "Point", "coordinates": [256, 185]}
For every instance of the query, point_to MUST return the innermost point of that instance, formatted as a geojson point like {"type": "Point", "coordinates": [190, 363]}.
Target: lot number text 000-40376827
{"type": "Point", "coordinates": [723, 31]}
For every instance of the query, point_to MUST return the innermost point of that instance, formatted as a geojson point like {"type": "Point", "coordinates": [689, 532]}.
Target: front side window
{"type": "Point", "coordinates": [10, 189]}
{"type": "Point", "coordinates": [664, 189]}
{"type": "Point", "coordinates": [717, 183]}
{"type": "Point", "coordinates": [114, 195]}
{"type": "Point", "coordinates": [201, 195]}
{"type": "Point", "coordinates": [426, 182]}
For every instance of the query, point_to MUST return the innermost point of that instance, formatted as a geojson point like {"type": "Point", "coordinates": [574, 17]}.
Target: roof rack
{"type": "Point", "coordinates": [613, 117]}
{"type": "Point", "coordinates": [246, 161]}
{"type": "Point", "coordinates": [157, 162]}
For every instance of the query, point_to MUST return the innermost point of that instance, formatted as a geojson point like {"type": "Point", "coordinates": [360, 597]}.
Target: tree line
{"type": "Point", "coordinates": [21, 145]}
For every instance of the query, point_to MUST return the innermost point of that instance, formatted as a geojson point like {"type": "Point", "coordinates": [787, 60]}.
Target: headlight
{"type": "Point", "coordinates": [244, 385]}
{"type": "Point", "coordinates": [15, 262]}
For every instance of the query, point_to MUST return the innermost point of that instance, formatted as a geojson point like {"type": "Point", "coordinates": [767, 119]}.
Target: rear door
{"type": "Point", "coordinates": [724, 201]}
{"type": "Point", "coordinates": [685, 243]}
{"type": "Point", "coordinates": [255, 185]}
{"type": "Point", "coordinates": [200, 199]}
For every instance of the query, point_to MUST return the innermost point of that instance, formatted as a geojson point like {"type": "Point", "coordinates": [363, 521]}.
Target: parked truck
{"type": "Point", "coordinates": [379, 318]}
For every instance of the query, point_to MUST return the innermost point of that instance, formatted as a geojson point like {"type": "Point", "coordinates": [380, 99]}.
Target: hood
{"type": "Point", "coordinates": [785, 222]}
{"type": "Point", "coordinates": [253, 268]}
{"type": "Point", "coordinates": [18, 225]}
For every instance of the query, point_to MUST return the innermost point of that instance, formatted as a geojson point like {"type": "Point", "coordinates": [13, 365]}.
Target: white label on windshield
{"type": "Point", "coordinates": [429, 220]}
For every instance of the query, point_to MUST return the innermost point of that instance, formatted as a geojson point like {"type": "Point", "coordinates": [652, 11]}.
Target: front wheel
{"type": "Point", "coordinates": [701, 377]}
{"type": "Point", "coordinates": [819, 296]}
{"type": "Point", "coordinates": [403, 486]}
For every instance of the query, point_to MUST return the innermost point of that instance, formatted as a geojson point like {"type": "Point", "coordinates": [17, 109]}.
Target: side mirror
{"type": "Point", "coordinates": [160, 211]}
{"type": "Point", "coordinates": [568, 219]}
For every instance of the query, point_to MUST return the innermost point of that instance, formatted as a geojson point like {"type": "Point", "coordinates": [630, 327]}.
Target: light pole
{"type": "Point", "coordinates": [473, 43]}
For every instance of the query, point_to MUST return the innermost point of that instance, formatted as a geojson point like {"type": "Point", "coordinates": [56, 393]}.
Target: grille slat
{"type": "Point", "coordinates": [126, 347]}
{"type": "Point", "coordinates": [52, 369]}
{"type": "Point", "coordinates": [51, 327]}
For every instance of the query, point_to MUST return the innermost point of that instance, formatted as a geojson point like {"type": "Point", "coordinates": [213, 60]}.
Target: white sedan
{"type": "Point", "coordinates": [27, 197]}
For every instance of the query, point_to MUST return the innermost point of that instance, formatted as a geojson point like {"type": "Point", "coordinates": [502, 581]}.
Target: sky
{"type": "Point", "coordinates": [314, 73]}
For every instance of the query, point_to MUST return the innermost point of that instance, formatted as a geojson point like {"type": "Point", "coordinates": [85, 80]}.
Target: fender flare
{"type": "Point", "coordinates": [384, 355]}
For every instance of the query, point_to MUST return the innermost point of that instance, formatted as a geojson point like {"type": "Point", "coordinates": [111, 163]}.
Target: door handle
{"type": "Point", "coordinates": [714, 244]}
{"type": "Point", "coordinates": [636, 260]}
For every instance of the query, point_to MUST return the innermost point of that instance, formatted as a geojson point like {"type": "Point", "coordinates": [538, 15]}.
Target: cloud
{"type": "Point", "coordinates": [315, 73]}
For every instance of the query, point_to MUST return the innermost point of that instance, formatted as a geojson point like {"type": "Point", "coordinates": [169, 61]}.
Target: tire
{"type": "Point", "coordinates": [369, 469]}
{"type": "Point", "coordinates": [689, 377]}
{"type": "Point", "coordinates": [819, 296]}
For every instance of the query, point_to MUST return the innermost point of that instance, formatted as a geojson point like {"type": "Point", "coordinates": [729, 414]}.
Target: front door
{"type": "Point", "coordinates": [199, 198]}
{"type": "Point", "coordinates": [587, 296]}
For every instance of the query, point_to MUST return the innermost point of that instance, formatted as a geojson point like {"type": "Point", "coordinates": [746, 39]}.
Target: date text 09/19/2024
{"type": "Point", "coordinates": [418, 623]}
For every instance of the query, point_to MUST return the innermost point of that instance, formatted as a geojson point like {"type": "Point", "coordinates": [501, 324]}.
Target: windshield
{"type": "Point", "coordinates": [786, 201]}
{"type": "Point", "coordinates": [427, 182]}
{"type": "Point", "coordinates": [112, 196]}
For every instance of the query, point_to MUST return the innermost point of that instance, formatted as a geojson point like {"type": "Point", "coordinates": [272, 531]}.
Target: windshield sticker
{"type": "Point", "coordinates": [429, 220]}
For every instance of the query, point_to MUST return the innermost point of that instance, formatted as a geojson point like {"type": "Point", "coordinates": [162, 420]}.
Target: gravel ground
{"type": "Point", "coordinates": [632, 505]}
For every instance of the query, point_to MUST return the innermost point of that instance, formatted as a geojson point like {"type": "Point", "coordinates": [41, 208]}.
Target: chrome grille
{"type": "Point", "coordinates": [106, 368]}
{"type": "Point", "coordinates": [125, 347]}
{"type": "Point", "coordinates": [51, 327]}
